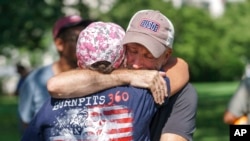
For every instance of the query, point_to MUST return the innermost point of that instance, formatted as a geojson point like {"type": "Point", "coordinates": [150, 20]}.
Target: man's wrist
{"type": "Point", "coordinates": [121, 76]}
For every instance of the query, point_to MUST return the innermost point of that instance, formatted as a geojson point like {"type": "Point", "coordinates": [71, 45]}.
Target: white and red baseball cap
{"type": "Point", "coordinates": [151, 29]}
{"type": "Point", "coordinates": [100, 41]}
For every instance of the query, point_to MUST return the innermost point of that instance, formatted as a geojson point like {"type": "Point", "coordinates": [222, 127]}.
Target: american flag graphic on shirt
{"type": "Point", "coordinates": [94, 123]}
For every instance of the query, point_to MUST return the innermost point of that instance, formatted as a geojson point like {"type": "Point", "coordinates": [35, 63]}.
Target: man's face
{"type": "Point", "coordinates": [138, 57]}
{"type": "Point", "coordinates": [69, 51]}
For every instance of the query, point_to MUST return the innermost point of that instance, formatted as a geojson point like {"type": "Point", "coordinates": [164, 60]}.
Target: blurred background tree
{"type": "Point", "coordinates": [26, 25]}
{"type": "Point", "coordinates": [215, 48]}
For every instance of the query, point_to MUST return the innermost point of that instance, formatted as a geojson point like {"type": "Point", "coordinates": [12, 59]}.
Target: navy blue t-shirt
{"type": "Point", "coordinates": [120, 113]}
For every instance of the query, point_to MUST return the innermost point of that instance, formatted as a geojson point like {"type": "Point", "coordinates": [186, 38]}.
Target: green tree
{"type": "Point", "coordinates": [213, 48]}
{"type": "Point", "coordinates": [26, 24]}
{"type": "Point", "coordinates": [216, 49]}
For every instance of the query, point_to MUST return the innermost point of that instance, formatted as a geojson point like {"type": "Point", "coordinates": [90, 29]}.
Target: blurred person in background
{"type": "Point", "coordinates": [238, 109]}
{"type": "Point", "coordinates": [33, 92]}
{"type": "Point", "coordinates": [23, 72]}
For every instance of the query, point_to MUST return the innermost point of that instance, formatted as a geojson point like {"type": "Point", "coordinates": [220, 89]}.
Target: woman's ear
{"type": "Point", "coordinates": [59, 44]}
{"type": "Point", "coordinates": [80, 66]}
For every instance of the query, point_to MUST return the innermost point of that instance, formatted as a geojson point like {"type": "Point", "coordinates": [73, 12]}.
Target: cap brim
{"type": "Point", "coordinates": [85, 23]}
{"type": "Point", "coordinates": [153, 46]}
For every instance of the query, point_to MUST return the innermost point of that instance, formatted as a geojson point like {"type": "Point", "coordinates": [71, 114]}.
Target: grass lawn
{"type": "Point", "coordinates": [8, 119]}
{"type": "Point", "coordinates": [213, 98]}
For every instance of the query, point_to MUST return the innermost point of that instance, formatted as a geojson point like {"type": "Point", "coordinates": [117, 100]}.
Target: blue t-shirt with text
{"type": "Point", "coordinates": [119, 113]}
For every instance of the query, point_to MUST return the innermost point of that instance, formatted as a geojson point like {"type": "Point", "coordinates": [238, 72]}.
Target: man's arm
{"type": "Point", "coordinates": [237, 106]}
{"type": "Point", "coordinates": [78, 83]}
{"type": "Point", "coordinates": [229, 118]}
{"type": "Point", "coordinates": [178, 73]}
{"type": "Point", "coordinates": [25, 102]}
